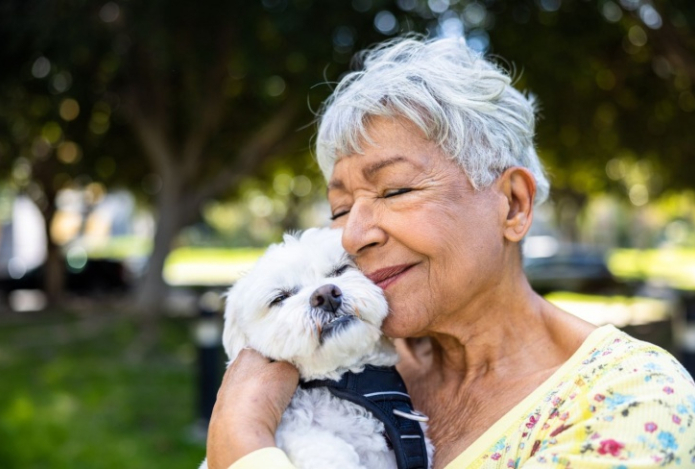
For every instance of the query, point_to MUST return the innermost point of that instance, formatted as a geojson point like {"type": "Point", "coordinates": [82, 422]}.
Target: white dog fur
{"type": "Point", "coordinates": [270, 311]}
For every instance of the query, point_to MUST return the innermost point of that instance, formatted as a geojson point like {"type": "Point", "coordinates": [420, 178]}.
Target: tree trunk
{"type": "Point", "coordinates": [152, 290]}
{"type": "Point", "coordinates": [54, 274]}
{"type": "Point", "coordinates": [181, 198]}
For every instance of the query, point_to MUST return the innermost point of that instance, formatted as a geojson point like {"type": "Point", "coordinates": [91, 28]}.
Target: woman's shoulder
{"type": "Point", "coordinates": [626, 386]}
{"type": "Point", "coordinates": [617, 402]}
{"type": "Point", "coordinates": [617, 360]}
{"type": "Point", "coordinates": [621, 398]}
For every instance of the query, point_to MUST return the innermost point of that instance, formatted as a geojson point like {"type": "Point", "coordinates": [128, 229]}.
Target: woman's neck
{"type": "Point", "coordinates": [476, 365]}
{"type": "Point", "coordinates": [522, 334]}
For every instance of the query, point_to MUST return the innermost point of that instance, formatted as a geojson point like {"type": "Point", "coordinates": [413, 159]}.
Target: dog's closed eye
{"type": "Point", "coordinates": [340, 270]}
{"type": "Point", "coordinates": [280, 297]}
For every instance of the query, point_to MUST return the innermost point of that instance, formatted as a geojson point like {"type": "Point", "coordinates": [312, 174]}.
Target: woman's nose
{"type": "Point", "coordinates": [362, 229]}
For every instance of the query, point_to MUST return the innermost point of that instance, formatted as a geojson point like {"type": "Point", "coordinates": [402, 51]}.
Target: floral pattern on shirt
{"type": "Point", "coordinates": [627, 404]}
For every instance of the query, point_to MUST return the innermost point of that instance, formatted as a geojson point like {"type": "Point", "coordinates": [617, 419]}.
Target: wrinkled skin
{"type": "Point", "coordinates": [447, 256]}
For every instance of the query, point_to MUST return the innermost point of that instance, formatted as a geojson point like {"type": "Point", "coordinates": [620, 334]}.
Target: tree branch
{"type": "Point", "coordinates": [152, 137]}
{"type": "Point", "coordinates": [248, 159]}
{"type": "Point", "coordinates": [211, 113]}
{"type": "Point", "coordinates": [145, 104]}
{"type": "Point", "coordinates": [211, 110]}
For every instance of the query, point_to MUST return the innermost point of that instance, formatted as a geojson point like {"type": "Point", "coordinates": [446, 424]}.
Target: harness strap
{"type": "Point", "coordinates": [381, 390]}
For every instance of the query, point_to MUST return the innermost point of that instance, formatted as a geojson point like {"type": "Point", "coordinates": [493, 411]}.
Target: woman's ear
{"type": "Point", "coordinates": [519, 187]}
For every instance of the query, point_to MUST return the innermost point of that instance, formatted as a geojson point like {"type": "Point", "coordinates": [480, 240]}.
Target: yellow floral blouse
{"type": "Point", "coordinates": [617, 403]}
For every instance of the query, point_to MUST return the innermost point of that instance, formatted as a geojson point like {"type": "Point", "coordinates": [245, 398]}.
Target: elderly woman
{"type": "Point", "coordinates": [432, 174]}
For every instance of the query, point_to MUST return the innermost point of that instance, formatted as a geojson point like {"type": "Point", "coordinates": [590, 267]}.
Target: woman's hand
{"type": "Point", "coordinates": [250, 403]}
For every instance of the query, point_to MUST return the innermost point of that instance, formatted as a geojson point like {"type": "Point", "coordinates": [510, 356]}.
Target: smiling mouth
{"type": "Point", "coordinates": [386, 276]}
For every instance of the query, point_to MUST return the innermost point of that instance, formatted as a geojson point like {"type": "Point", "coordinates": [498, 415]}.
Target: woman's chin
{"type": "Point", "coordinates": [397, 327]}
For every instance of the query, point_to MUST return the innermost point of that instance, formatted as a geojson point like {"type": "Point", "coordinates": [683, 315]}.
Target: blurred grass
{"type": "Point", "coordinates": [208, 266]}
{"type": "Point", "coordinates": [70, 397]}
{"type": "Point", "coordinates": [119, 247]}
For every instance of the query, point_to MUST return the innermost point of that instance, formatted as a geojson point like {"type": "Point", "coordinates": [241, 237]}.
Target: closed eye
{"type": "Point", "coordinates": [340, 271]}
{"type": "Point", "coordinates": [279, 298]}
{"type": "Point", "coordinates": [337, 215]}
{"type": "Point", "coordinates": [394, 192]}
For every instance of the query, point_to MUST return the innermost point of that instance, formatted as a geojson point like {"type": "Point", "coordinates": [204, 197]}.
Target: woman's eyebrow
{"type": "Point", "coordinates": [370, 171]}
{"type": "Point", "coordinates": [335, 184]}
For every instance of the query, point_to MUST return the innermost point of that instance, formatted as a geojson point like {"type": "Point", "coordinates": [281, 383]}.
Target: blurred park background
{"type": "Point", "coordinates": [149, 150]}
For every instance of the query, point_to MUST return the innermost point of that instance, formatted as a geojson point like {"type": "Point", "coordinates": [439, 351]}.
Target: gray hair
{"type": "Point", "coordinates": [459, 100]}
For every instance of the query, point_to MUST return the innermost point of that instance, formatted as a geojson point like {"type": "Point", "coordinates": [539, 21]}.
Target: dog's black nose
{"type": "Point", "coordinates": [327, 297]}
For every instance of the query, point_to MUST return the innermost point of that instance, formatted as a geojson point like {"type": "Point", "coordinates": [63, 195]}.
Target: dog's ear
{"type": "Point", "coordinates": [233, 338]}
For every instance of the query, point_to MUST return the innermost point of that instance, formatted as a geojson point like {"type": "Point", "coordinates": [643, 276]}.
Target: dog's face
{"type": "Point", "coordinates": [305, 302]}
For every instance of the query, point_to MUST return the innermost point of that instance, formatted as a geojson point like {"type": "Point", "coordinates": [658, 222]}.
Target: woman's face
{"type": "Point", "coordinates": [418, 228]}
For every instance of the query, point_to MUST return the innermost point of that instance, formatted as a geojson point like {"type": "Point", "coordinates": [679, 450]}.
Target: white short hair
{"type": "Point", "coordinates": [464, 103]}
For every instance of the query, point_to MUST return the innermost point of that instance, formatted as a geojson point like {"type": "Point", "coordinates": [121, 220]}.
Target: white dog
{"type": "Point", "coordinates": [305, 302]}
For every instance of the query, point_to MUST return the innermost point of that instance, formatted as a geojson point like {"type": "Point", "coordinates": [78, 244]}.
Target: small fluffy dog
{"type": "Point", "coordinates": [305, 302]}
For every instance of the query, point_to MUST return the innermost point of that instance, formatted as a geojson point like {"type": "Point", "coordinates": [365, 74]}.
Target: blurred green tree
{"type": "Point", "coordinates": [178, 101]}
{"type": "Point", "coordinates": [182, 101]}
{"type": "Point", "coordinates": [616, 104]}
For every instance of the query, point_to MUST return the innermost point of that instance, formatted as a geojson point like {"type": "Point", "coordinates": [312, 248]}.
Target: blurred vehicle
{"type": "Point", "coordinates": [574, 270]}
{"type": "Point", "coordinates": [94, 277]}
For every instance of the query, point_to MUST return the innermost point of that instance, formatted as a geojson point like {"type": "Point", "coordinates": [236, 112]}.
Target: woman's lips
{"type": "Point", "coordinates": [386, 276]}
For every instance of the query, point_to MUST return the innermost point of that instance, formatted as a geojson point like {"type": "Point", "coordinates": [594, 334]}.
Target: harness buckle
{"type": "Point", "coordinates": [412, 415]}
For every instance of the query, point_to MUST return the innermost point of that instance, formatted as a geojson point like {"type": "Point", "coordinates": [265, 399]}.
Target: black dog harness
{"type": "Point", "coordinates": [381, 390]}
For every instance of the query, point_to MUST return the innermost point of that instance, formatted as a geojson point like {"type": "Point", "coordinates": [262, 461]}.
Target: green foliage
{"type": "Point", "coordinates": [180, 102]}
{"type": "Point", "coordinates": [673, 266]}
{"type": "Point", "coordinates": [614, 82]}
{"type": "Point", "coordinates": [179, 64]}
{"type": "Point", "coordinates": [187, 103]}
{"type": "Point", "coordinates": [71, 399]}
{"type": "Point", "coordinates": [605, 94]}
{"type": "Point", "coordinates": [608, 83]}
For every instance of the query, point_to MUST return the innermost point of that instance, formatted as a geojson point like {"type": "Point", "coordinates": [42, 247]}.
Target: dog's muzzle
{"type": "Point", "coordinates": [328, 299]}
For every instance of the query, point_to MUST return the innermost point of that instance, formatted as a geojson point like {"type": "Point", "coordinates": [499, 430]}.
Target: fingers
{"type": "Point", "coordinates": [255, 392]}
{"type": "Point", "coordinates": [249, 363]}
